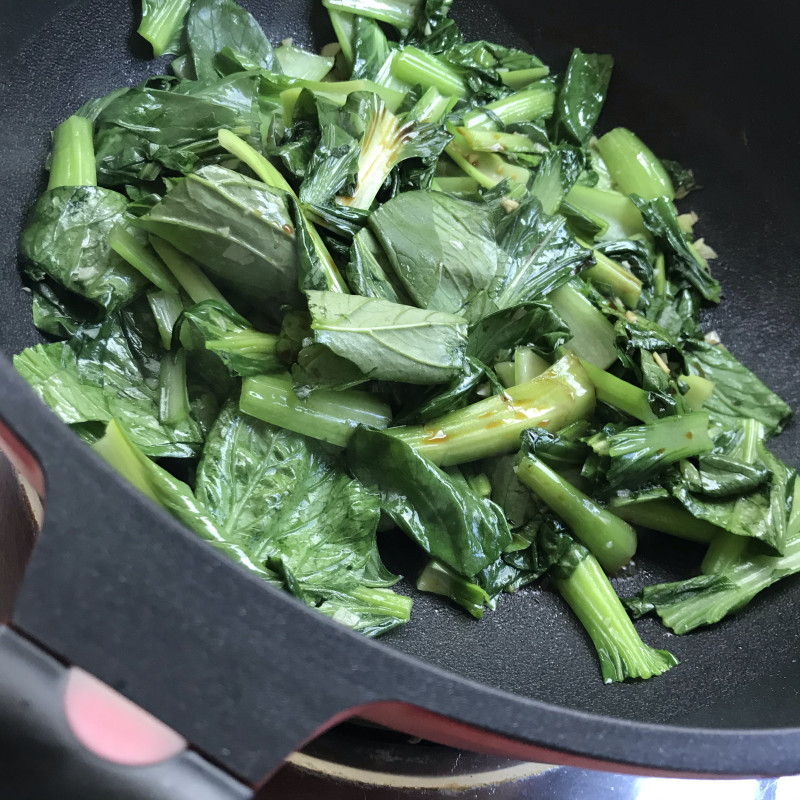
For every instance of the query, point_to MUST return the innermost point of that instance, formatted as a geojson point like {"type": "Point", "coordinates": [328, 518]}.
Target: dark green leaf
{"type": "Point", "coordinates": [425, 406]}
{"type": "Point", "coordinates": [59, 312]}
{"type": "Point", "coordinates": [536, 325]}
{"type": "Point", "coordinates": [435, 508]}
{"type": "Point", "coordinates": [387, 341]}
{"type": "Point", "coordinates": [433, 30]}
{"type": "Point", "coordinates": [582, 94]}
{"type": "Point", "coordinates": [737, 391]}
{"type": "Point", "coordinates": [110, 372]}
{"type": "Point", "coordinates": [483, 64]}
{"type": "Point", "coordinates": [447, 259]}
{"type": "Point", "coordinates": [683, 265]}
{"type": "Point", "coordinates": [212, 25]}
{"type": "Point", "coordinates": [723, 476]}
{"type": "Point", "coordinates": [370, 48]}
{"type": "Point", "coordinates": [683, 180]}
{"type": "Point", "coordinates": [238, 228]}
{"type": "Point", "coordinates": [332, 167]}
{"type": "Point", "coordinates": [540, 255]}
{"type": "Point", "coordinates": [144, 131]}
{"type": "Point", "coordinates": [369, 272]}
{"type": "Point", "coordinates": [318, 367]}
{"type": "Point", "coordinates": [284, 499]}
{"type": "Point", "coordinates": [67, 241]}
{"type": "Point", "coordinates": [760, 514]}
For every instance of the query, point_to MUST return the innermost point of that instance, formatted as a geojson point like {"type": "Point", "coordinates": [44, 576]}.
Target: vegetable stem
{"type": "Point", "coordinates": [665, 516]}
{"type": "Point", "coordinates": [73, 154]}
{"type": "Point", "coordinates": [495, 142]}
{"type": "Point", "coordinates": [610, 539]}
{"type": "Point", "coordinates": [523, 106]}
{"type": "Point", "coordinates": [329, 415]}
{"type": "Point", "coordinates": [559, 396]}
{"type": "Point", "coordinates": [142, 258]}
{"type": "Point", "coordinates": [166, 308]}
{"type": "Point", "coordinates": [438, 578]}
{"type": "Point", "coordinates": [593, 336]}
{"type": "Point", "coordinates": [432, 106]}
{"type": "Point", "coordinates": [520, 78]}
{"type": "Point", "coordinates": [191, 278]}
{"type": "Point", "coordinates": [161, 21]}
{"type": "Point", "coordinates": [621, 651]}
{"type": "Point", "coordinates": [414, 66]}
{"type": "Point", "coordinates": [174, 398]}
{"type": "Point", "coordinates": [528, 365]}
{"type": "Point", "coordinates": [623, 218]}
{"type": "Point", "coordinates": [620, 394]}
{"type": "Point", "coordinates": [245, 343]}
{"type": "Point", "coordinates": [633, 166]}
{"type": "Point", "coordinates": [342, 23]}
{"type": "Point", "coordinates": [724, 551]}
{"type": "Point", "coordinates": [608, 273]}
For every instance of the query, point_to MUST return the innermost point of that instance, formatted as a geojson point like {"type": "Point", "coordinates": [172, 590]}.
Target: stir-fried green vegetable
{"type": "Point", "coordinates": [403, 280]}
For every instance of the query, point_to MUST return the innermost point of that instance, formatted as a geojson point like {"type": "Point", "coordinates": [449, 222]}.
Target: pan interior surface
{"type": "Point", "coordinates": [707, 89]}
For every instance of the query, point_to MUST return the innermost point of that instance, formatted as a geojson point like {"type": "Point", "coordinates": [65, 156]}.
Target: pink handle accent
{"type": "Point", "coordinates": [22, 460]}
{"type": "Point", "coordinates": [113, 727]}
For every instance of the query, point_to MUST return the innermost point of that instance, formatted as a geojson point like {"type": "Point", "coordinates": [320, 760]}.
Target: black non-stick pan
{"type": "Point", "coordinates": [246, 674]}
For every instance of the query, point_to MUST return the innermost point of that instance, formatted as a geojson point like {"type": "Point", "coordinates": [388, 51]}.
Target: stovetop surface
{"type": "Point", "coordinates": [359, 761]}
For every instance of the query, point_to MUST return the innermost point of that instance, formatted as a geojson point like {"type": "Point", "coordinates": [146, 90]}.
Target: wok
{"type": "Point", "coordinates": [246, 674]}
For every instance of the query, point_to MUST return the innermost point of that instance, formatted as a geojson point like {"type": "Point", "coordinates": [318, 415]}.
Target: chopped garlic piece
{"type": "Point", "coordinates": [706, 251]}
{"type": "Point", "coordinates": [687, 221]}
{"type": "Point", "coordinates": [509, 205]}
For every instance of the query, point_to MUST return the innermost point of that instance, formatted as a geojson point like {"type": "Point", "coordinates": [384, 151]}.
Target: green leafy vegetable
{"type": "Point", "coordinates": [402, 280]}
{"type": "Point", "coordinates": [67, 239]}
{"type": "Point", "coordinates": [244, 479]}
{"type": "Point", "coordinates": [387, 341]}
{"type": "Point", "coordinates": [641, 452]}
{"type": "Point", "coordinates": [706, 599]}
{"type": "Point", "coordinates": [110, 372]}
{"type": "Point", "coordinates": [213, 25]}
{"type": "Point", "coordinates": [621, 652]}
{"type": "Point", "coordinates": [633, 166]}
{"type": "Point", "coordinates": [244, 350]}
{"type": "Point", "coordinates": [447, 259]}
{"type": "Point", "coordinates": [237, 228]}
{"type": "Point", "coordinates": [737, 391]}
{"type": "Point", "coordinates": [583, 93]}
{"type": "Point", "coordinates": [440, 579]}
{"type": "Point", "coordinates": [557, 397]}
{"type": "Point", "coordinates": [611, 540]}
{"type": "Point", "coordinates": [143, 132]}
{"type": "Point", "coordinates": [331, 416]}
{"type": "Point", "coordinates": [682, 262]}
{"type": "Point", "coordinates": [539, 255]}
{"type": "Point", "coordinates": [435, 508]}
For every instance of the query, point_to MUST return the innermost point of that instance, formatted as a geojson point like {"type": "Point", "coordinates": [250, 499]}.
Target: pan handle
{"type": "Point", "coordinates": [171, 607]}
{"type": "Point", "coordinates": [64, 734]}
